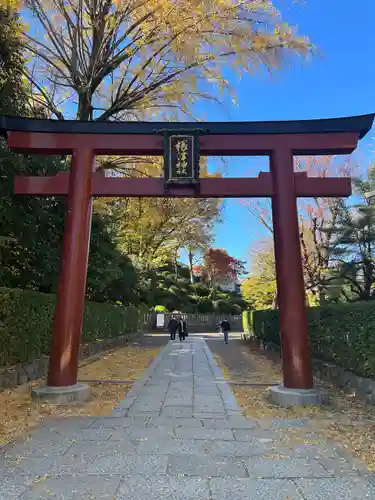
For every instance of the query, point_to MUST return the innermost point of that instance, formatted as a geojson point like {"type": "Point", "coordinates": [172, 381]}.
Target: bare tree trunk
{"type": "Point", "coordinates": [275, 302]}
{"type": "Point", "coordinates": [190, 257]}
{"type": "Point", "coordinates": [176, 263]}
{"type": "Point", "coordinates": [84, 107]}
{"type": "Point", "coordinates": [322, 296]}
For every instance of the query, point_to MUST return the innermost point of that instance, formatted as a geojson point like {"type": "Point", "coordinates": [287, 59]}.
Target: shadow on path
{"type": "Point", "coordinates": [235, 356]}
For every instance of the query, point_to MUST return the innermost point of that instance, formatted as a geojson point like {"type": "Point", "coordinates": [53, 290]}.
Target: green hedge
{"type": "Point", "coordinates": [342, 334]}
{"type": "Point", "coordinates": [26, 323]}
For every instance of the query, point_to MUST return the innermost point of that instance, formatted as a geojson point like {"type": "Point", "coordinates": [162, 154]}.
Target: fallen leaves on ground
{"type": "Point", "coordinates": [127, 363]}
{"type": "Point", "coordinates": [345, 419]}
{"type": "Point", "coordinates": [19, 414]}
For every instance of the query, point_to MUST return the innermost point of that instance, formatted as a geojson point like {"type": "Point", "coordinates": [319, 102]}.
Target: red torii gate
{"type": "Point", "coordinates": [278, 140]}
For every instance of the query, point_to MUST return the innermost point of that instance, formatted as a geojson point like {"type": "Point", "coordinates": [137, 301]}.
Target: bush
{"type": "Point", "coordinates": [200, 289]}
{"type": "Point", "coordinates": [26, 323]}
{"type": "Point", "coordinates": [342, 334]}
{"type": "Point", "coordinates": [160, 309]}
{"type": "Point", "coordinates": [225, 306]}
{"type": "Point", "coordinates": [204, 306]}
{"type": "Point", "coordinates": [175, 290]}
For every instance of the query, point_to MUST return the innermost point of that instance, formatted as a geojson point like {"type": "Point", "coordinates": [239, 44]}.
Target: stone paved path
{"type": "Point", "coordinates": [178, 435]}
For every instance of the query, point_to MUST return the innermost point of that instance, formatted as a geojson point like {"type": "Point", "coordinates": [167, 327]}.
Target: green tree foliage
{"type": "Point", "coordinates": [160, 287]}
{"type": "Point", "coordinates": [152, 231]}
{"type": "Point", "coordinates": [338, 252]}
{"type": "Point", "coordinates": [259, 289]}
{"type": "Point", "coordinates": [31, 232]}
{"type": "Point", "coordinates": [31, 228]}
{"type": "Point", "coordinates": [28, 236]}
{"type": "Point", "coordinates": [353, 245]}
{"type": "Point", "coordinates": [316, 217]}
{"type": "Point", "coordinates": [258, 293]}
{"type": "Point", "coordinates": [12, 94]}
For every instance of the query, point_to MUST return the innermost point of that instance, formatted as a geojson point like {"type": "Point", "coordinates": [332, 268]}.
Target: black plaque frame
{"type": "Point", "coordinates": [171, 177]}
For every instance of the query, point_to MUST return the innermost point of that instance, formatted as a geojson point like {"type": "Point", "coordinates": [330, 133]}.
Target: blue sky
{"type": "Point", "coordinates": [340, 82]}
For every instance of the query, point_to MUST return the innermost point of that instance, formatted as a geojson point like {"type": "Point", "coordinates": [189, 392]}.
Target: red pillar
{"type": "Point", "coordinates": [297, 370]}
{"type": "Point", "coordinates": [67, 324]}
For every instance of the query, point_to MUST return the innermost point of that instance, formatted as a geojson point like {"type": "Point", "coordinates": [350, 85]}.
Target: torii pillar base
{"type": "Point", "coordinates": [66, 395]}
{"type": "Point", "coordinates": [289, 398]}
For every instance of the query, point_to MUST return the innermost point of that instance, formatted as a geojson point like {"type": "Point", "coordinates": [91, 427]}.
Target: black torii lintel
{"type": "Point", "coordinates": [360, 124]}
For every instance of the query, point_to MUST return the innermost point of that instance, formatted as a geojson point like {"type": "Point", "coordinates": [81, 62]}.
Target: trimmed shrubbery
{"type": "Point", "coordinates": [26, 323]}
{"type": "Point", "coordinates": [342, 334]}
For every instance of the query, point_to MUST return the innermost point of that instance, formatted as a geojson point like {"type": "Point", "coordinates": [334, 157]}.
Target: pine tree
{"type": "Point", "coordinates": [353, 245]}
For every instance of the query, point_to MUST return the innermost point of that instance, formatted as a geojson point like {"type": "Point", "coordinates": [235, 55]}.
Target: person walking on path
{"type": "Point", "coordinates": [182, 329]}
{"type": "Point", "coordinates": [225, 329]}
{"type": "Point", "coordinates": [172, 327]}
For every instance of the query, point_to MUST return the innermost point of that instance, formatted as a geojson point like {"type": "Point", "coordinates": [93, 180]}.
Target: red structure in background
{"type": "Point", "coordinates": [278, 140]}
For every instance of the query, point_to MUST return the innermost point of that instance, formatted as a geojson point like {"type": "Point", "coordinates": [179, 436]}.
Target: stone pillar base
{"type": "Point", "coordinates": [283, 396]}
{"type": "Point", "coordinates": [61, 395]}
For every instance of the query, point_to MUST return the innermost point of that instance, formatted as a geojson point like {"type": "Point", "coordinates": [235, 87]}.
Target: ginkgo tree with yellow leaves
{"type": "Point", "coordinates": [152, 231]}
{"type": "Point", "coordinates": [126, 59]}
{"type": "Point", "coordinates": [145, 59]}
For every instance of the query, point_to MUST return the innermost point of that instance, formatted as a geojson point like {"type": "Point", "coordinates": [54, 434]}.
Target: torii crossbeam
{"type": "Point", "coordinates": [278, 140]}
{"type": "Point", "coordinates": [261, 187]}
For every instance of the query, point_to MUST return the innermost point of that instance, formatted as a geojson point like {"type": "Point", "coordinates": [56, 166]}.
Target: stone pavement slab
{"type": "Point", "coordinates": [83, 487]}
{"type": "Point", "coordinates": [340, 488]}
{"type": "Point", "coordinates": [257, 489]}
{"type": "Point", "coordinates": [179, 434]}
{"type": "Point", "coordinates": [164, 488]}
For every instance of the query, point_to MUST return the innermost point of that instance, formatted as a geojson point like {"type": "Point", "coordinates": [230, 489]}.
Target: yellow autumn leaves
{"type": "Point", "coordinates": [141, 58]}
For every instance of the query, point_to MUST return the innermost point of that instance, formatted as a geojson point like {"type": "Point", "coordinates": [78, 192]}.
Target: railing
{"type": "Point", "coordinates": [197, 323]}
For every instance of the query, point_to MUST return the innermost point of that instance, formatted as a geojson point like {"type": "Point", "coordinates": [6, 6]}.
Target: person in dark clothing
{"type": "Point", "coordinates": [225, 329]}
{"type": "Point", "coordinates": [182, 329]}
{"type": "Point", "coordinates": [172, 327]}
